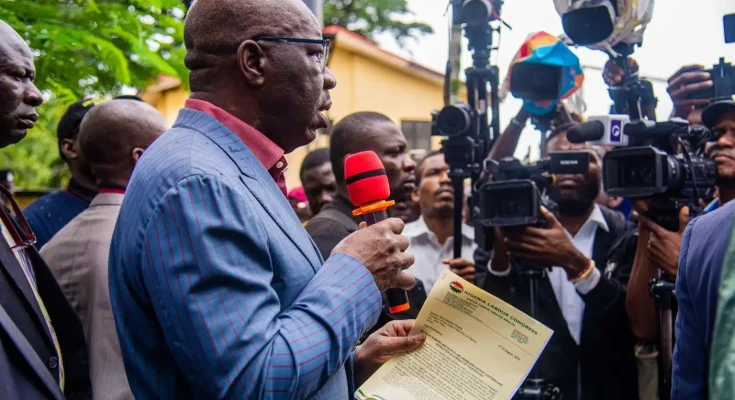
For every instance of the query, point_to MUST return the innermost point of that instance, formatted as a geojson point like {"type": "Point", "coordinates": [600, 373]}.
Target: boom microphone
{"type": "Point", "coordinates": [607, 130]}
{"type": "Point", "coordinates": [368, 188]}
{"type": "Point", "coordinates": [586, 132]}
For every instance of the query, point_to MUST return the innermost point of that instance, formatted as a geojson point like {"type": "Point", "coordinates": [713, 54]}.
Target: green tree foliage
{"type": "Point", "coordinates": [88, 47]}
{"type": "Point", "coordinates": [371, 17]}
{"type": "Point", "coordinates": [105, 47]}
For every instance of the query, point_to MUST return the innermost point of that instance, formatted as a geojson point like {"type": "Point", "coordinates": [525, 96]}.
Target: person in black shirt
{"type": "Point", "coordinates": [591, 354]}
{"type": "Point", "coordinates": [358, 132]}
{"type": "Point", "coordinates": [317, 179]}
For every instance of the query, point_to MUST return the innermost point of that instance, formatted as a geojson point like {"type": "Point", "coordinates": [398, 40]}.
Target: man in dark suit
{"type": "Point", "coordinates": [42, 349]}
{"type": "Point", "coordinates": [702, 253]}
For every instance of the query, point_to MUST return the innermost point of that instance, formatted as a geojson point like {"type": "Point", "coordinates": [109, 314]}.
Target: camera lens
{"type": "Point", "coordinates": [535, 81]}
{"type": "Point", "coordinates": [453, 120]}
{"type": "Point", "coordinates": [516, 207]}
{"type": "Point", "coordinates": [477, 12]}
{"type": "Point", "coordinates": [647, 175]}
{"type": "Point", "coordinates": [638, 173]}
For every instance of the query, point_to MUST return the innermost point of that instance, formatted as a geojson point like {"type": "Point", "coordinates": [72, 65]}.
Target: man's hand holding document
{"type": "Point", "coordinates": [477, 348]}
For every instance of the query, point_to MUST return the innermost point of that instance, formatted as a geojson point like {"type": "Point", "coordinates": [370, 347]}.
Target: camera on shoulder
{"type": "Point", "coordinates": [661, 161]}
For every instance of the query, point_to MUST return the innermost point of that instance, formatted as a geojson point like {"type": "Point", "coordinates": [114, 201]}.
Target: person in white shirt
{"type": "Point", "coordinates": [590, 356]}
{"type": "Point", "coordinates": [430, 237]}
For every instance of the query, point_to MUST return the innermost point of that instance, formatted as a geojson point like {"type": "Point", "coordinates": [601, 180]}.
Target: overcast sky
{"type": "Point", "coordinates": [682, 32]}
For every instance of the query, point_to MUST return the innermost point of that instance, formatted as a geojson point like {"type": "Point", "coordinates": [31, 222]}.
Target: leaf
{"type": "Point", "coordinates": [371, 17]}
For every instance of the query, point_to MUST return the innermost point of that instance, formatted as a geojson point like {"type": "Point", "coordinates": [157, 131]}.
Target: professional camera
{"type": "Point", "coordinates": [723, 83]}
{"type": "Point", "coordinates": [466, 126]}
{"type": "Point", "coordinates": [475, 12]}
{"type": "Point", "coordinates": [517, 192]}
{"type": "Point", "coordinates": [662, 161]}
{"type": "Point", "coordinates": [535, 81]}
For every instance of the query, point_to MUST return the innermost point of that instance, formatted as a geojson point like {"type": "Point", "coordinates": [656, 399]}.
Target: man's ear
{"type": "Point", "coordinates": [415, 195]}
{"type": "Point", "coordinates": [252, 62]}
{"type": "Point", "coordinates": [136, 154]}
{"type": "Point", "coordinates": [69, 149]}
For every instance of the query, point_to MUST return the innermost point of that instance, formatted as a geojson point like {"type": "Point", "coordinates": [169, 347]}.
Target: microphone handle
{"type": "Point", "coordinates": [397, 298]}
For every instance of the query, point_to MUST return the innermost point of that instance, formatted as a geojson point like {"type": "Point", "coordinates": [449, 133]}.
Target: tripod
{"type": "Point", "coordinates": [465, 153]}
{"type": "Point", "coordinates": [662, 289]}
{"type": "Point", "coordinates": [536, 388]}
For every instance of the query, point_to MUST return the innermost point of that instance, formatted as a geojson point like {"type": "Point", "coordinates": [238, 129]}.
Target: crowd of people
{"type": "Point", "coordinates": [176, 264]}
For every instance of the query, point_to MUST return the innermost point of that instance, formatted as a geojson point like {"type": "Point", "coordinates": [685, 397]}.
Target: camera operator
{"type": "Point", "coordinates": [659, 250]}
{"type": "Point", "coordinates": [590, 355]}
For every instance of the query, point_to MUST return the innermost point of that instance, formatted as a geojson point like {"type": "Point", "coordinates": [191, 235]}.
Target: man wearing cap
{"type": "Point", "coordinates": [53, 211]}
{"type": "Point", "coordinates": [701, 258]}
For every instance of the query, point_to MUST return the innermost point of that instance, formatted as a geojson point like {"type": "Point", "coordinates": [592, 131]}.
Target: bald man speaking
{"type": "Point", "coordinates": [217, 290]}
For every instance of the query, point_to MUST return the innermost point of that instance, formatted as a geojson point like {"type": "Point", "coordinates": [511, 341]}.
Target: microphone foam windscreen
{"type": "Point", "coordinates": [586, 132]}
{"type": "Point", "coordinates": [366, 179]}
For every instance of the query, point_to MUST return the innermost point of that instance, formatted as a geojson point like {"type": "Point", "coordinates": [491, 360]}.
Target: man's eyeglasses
{"type": "Point", "coordinates": [323, 42]}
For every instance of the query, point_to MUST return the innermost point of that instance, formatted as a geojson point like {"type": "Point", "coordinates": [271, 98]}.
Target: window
{"type": "Point", "coordinates": [418, 134]}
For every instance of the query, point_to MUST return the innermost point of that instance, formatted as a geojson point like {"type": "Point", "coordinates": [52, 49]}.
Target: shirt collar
{"type": "Point", "coordinates": [598, 219]}
{"type": "Point", "coordinates": [79, 191]}
{"type": "Point", "coordinates": [715, 204]}
{"type": "Point", "coordinates": [419, 227]}
{"type": "Point", "coordinates": [107, 199]}
{"type": "Point", "coordinates": [265, 150]}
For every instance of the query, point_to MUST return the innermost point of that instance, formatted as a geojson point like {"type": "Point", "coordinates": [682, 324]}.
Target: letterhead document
{"type": "Point", "coordinates": [477, 347]}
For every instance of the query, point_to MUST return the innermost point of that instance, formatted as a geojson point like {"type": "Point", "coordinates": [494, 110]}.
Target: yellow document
{"type": "Point", "coordinates": [477, 347]}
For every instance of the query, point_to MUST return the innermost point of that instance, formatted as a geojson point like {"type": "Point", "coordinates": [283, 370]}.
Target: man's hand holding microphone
{"type": "Point", "coordinates": [381, 249]}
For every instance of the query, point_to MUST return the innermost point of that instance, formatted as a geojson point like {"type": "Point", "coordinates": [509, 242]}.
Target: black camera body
{"type": "Point", "coordinates": [722, 75]}
{"type": "Point", "coordinates": [459, 124]}
{"type": "Point", "coordinates": [517, 191]}
{"type": "Point", "coordinates": [664, 162]}
{"type": "Point", "coordinates": [535, 81]}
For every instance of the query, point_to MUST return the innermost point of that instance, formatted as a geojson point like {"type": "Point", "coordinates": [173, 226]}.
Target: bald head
{"type": "Point", "coordinates": [114, 134]}
{"type": "Point", "coordinates": [279, 87]}
{"type": "Point", "coordinates": [18, 95]}
{"type": "Point", "coordinates": [215, 29]}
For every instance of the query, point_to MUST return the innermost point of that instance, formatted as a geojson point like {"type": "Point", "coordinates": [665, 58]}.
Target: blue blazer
{"type": "Point", "coordinates": [700, 268]}
{"type": "Point", "coordinates": [218, 292]}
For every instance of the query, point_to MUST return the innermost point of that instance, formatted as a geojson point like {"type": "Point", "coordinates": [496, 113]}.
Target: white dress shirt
{"type": "Point", "coordinates": [567, 293]}
{"type": "Point", "coordinates": [424, 245]}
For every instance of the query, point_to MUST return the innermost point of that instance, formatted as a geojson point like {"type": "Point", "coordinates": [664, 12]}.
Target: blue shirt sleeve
{"type": "Point", "coordinates": [208, 271]}
{"type": "Point", "coordinates": [689, 371]}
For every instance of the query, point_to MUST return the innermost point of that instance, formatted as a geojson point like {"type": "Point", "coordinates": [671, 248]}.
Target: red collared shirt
{"type": "Point", "coordinates": [268, 153]}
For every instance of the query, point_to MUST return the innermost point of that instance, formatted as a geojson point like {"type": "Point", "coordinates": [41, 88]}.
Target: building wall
{"type": "Point", "coordinates": [364, 84]}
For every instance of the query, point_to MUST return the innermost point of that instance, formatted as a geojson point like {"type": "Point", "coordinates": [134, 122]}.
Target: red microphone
{"type": "Point", "coordinates": [368, 188]}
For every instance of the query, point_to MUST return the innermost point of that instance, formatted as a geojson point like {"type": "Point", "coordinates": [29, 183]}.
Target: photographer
{"type": "Point", "coordinates": [590, 355]}
{"type": "Point", "coordinates": [659, 251]}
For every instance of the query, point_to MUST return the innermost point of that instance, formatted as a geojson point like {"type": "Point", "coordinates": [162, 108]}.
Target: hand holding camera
{"type": "Point", "coordinates": [663, 245]}
{"type": "Point", "coordinates": [684, 84]}
{"type": "Point", "coordinates": [613, 75]}
{"type": "Point", "coordinates": [551, 246]}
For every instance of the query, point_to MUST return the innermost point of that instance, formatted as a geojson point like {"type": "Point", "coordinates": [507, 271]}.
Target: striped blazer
{"type": "Point", "coordinates": [217, 290]}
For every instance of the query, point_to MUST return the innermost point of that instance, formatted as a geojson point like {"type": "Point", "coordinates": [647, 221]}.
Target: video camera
{"type": "Point", "coordinates": [723, 82]}
{"type": "Point", "coordinates": [517, 191]}
{"type": "Point", "coordinates": [662, 161]}
{"type": "Point", "coordinates": [722, 74]}
{"type": "Point", "coordinates": [466, 125]}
